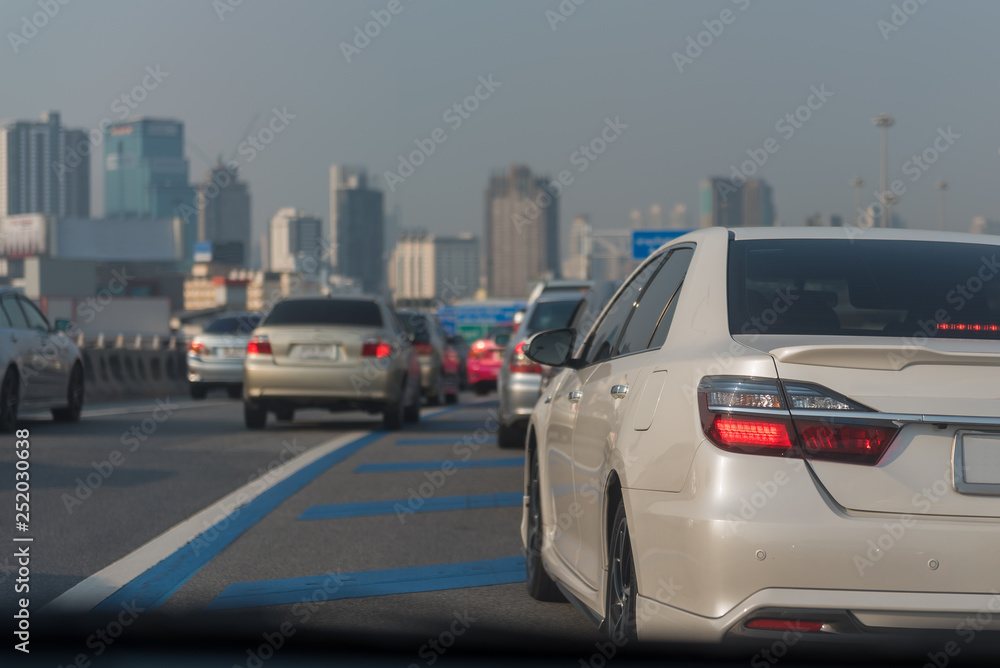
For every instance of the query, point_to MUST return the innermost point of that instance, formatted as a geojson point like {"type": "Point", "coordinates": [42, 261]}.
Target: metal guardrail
{"type": "Point", "coordinates": [130, 341]}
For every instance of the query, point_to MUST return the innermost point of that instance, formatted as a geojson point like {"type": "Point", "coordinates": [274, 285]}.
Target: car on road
{"type": "Point", "coordinates": [486, 358]}
{"type": "Point", "coordinates": [43, 369]}
{"type": "Point", "coordinates": [519, 378]}
{"type": "Point", "coordinates": [438, 366]}
{"type": "Point", "coordinates": [774, 430]}
{"type": "Point", "coordinates": [461, 347]}
{"type": "Point", "coordinates": [550, 286]}
{"type": "Point", "coordinates": [338, 353]}
{"type": "Point", "coordinates": [215, 357]}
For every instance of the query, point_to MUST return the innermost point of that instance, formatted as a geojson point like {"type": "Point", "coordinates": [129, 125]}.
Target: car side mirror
{"type": "Point", "coordinates": [552, 347]}
{"type": "Point", "coordinates": [63, 325]}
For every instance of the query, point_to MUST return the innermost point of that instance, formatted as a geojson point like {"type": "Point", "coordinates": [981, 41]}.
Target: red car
{"type": "Point", "coordinates": [486, 358]}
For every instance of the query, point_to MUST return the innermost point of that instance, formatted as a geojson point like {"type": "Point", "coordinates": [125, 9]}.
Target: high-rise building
{"type": "Point", "coordinates": [521, 233]}
{"type": "Point", "coordinates": [577, 261]}
{"type": "Point", "coordinates": [357, 228]}
{"type": "Point", "coordinates": [726, 204]}
{"type": "Point", "coordinates": [294, 235]}
{"type": "Point", "coordinates": [145, 171]}
{"type": "Point", "coordinates": [43, 168]}
{"type": "Point", "coordinates": [679, 217]}
{"type": "Point", "coordinates": [429, 268]}
{"type": "Point", "coordinates": [224, 213]}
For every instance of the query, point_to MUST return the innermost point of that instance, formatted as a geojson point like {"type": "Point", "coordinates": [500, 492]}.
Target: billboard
{"type": "Point", "coordinates": [203, 251]}
{"type": "Point", "coordinates": [24, 235]}
{"type": "Point", "coordinates": [644, 242]}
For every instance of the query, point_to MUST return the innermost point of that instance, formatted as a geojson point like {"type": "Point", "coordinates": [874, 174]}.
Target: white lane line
{"type": "Point", "coordinates": [86, 594]}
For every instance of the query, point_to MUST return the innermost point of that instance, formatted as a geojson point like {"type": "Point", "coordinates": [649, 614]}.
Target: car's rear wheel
{"type": "Point", "coordinates": [74, 398]}
{"type": "Point", "coordinates": [198, 391]}
{"type": "Point", "coordinates": [540, 586]}
{"type": "Point", "coordinates": [411, 413]}
{"type": "Point", "coordinates": [394, 413]}
{"type": "Point", "coordinates": [482, 388]}
{"type": "Point", "coordinates": [510, 436]}
{"type": "Point", "coordinates": [438, 398]}
{"type": "Point", "coordinates": [285, 414]}
{"type": "Point", "coordinates": [9, 401]}
{"type": "Point", "coordinates": [254, 416]}
{"type": "Point", "coordinates": [622, 587]}
{"type": "Point", "coordinates": [234, 391]}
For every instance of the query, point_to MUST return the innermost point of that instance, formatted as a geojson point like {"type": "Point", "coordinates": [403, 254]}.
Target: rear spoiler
{"type": "Point", "coordinates": [879, 357]}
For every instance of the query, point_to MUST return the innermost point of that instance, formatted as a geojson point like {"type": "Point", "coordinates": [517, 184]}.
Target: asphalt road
{"type": "Point", "coordinates": [361, 531]}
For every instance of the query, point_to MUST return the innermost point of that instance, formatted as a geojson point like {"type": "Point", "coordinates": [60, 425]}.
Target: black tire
{"type": "Point", "coordinates": [540, 586]}
{"type": "Point", "coordinates": [74, 398]}
{"type": "Point", "coordinates": [285, 414]}
{"type": "Point", "coordinates": [451, 398]}
{"type": "Point", "coordinates": [198, 391]}
{"type": "Point", "coordinates": [394, 413]}
{"type": "Point", "coordinates": [510, 436]}
{"type": "Point", "coordinates": [235, 391]}
{"type": "Point", "coordinates": [482, 388]}
{"type": "Point", "coordinates": [438, 398]}
{"type": "Point", "coordinates": [254, 416]}
{"type": "Point", "coordinates": [10, 391]}
{"type": "Point", "coordinates": [619, 618]}
{"type": "Point", "coordinates": [411, 414]}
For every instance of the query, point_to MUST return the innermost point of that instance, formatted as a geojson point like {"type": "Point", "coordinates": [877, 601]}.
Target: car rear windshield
{"type": "Point", "coordinates": [345, 312]}
{"type": "Point", "coordinates": [416, 324]}
{"type": "Point", "coordinates": [551, 315]}
{"type": "Point", "coordinates": [864, 287]}
{"type": "Point", "coordinates": [237, 325]}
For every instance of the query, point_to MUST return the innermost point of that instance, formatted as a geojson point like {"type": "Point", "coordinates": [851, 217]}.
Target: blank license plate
{"type": "Point", "coordinates": [317, 352]}
{"type": "Point", "coordinates": [977, 463]}
{"type": "Point", "coordinates": [232, 352]}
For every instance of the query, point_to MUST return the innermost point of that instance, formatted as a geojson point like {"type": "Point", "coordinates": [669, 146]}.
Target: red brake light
{"type": "Point", "coordinates": [520, 363]}
{"type": "Point", "coordinates": [423, 348]}
{"type": "Point", "coordinates": [753, 432]}
{"type": "Point", "coordinates": [375, 348]}
{"type": "Point", "coordinates": [861, 443]}
{"type": "Point", "coordinates": [197, 349]}
{"type": "Point", "coordinates": [259, 345]}
{"type": "Point", "coordinates": [784, 625]}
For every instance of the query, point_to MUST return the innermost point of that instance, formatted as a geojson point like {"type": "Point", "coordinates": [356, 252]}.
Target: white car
{"type": "Point", "coordinates": [773, 431]}
{"type": "Point", "coordinates": [42, 368]}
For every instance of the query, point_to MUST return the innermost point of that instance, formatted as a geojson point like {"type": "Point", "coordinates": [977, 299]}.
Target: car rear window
{"type": "Point", "coordinates": [551, 315]}
{"type": "Point", "coordinates": [416, 324]}
{"type": "Point", "coordinates": [864, 287]}
{"type": "Point", "coordinates": [346, 312]}
{"type": "Point", "coordinates": [238, 325]}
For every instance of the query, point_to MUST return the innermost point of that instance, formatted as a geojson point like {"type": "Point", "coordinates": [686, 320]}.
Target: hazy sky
{"type": "Point", "coordinates": [557, 86]}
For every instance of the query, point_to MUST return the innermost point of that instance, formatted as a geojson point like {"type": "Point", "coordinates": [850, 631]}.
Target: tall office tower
{"type": "Point", "coordinates": [357, 228]}
{"type": "Point", "coordinates": [721, 203]}
{"type": "Point", "coordinates": [224, 215]}
{"type": "Point", "coordinates": [758, 204]}
{"type": "Point", "coordinates": [655, 219]}
{"type": "Point", "coordinates": [577, 261]}
{"type": "Point", "coordinates": [521, 233]}
{"type": "Point", "coordinates": [429, 268]}
{"type": "Point", "coordinates": [456, 267]}
{"type": "Point", "coordinates": [44, 168]}
{"type": "Point", "coordinates": [679, 217]}
{"type": "Point", "coordinates": [294, 235]}
{"type": "Point", "coordinates": [145, 171]}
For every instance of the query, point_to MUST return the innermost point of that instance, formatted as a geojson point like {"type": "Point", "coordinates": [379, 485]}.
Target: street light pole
{"type": "Point", "coordinates": [943, 186]}
{"type": "Point", "coordinates": [885, 121]}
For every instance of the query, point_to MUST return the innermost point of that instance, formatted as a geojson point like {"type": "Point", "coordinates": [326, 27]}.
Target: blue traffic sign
{"type": "Point", "coordinates": [644, 242]}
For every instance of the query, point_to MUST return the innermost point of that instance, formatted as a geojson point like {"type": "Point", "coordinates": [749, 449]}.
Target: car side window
{"type": "Point", "coordinates": [36, 320]}
{"type": "Point", "coordinates": [14, 313]}
{"type": "Point", "coordinates": [604, 342]}
{"type": "Point", "coordinates": [653, 302]}
{"type": "Point", "coordinates": [4, 320]}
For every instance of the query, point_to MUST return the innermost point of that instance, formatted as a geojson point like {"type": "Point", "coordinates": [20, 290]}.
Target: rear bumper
{"type": "Point", "coordinates": [303, 385]}
{"type": "Point", "coordinates": [481, 371]}
{"type": "Point", "coordinates": [215, 372]}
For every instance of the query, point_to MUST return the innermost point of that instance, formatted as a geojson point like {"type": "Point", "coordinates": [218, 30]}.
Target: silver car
{"type": "Point", "coordinates": [519, 379]}
{"type": "Point", "coordinates": [43, 369]}
{"type": "Point", "coordinates": [337, 353]}
{"type": "Point", "coordinates": [215, 357]}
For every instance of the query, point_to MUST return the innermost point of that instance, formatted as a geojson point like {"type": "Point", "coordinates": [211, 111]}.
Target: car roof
{"type": "Point", "coordinates": [849, 233]}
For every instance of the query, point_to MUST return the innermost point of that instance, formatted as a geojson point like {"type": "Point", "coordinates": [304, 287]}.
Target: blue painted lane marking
{"type": "Point", "coordinates": [160, 582]}
{"type": "Point", "coordinates": [362, 584]}
{"type": "Point", "coordinates": [439, 441]}
{"type": "Point", "coordinates": [427, 466]}
{"type": "Point", "coordinates": [361, 509]}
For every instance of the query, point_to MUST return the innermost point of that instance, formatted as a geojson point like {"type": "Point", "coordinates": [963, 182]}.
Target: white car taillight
{"type": "Point", "coordinates": [790, 419]}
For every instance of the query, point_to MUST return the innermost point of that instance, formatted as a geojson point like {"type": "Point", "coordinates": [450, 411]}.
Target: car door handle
{"type": "Point", "coordinates": [619, 391]}
{"type": "Point", "coordinates": [575, 396]}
